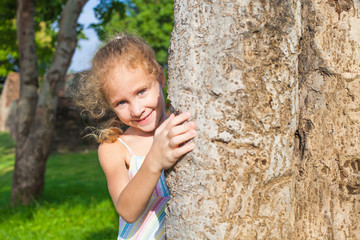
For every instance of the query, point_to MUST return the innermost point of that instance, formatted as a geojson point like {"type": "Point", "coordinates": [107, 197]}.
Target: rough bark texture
{"type": "Point", "coordinates": [273, 87]}
{"type": "Point", "coordinates": [36, 114]}
{"type": "Point", "coordinates": [233, 64]}
{"type": "Point", "coordinates": [328, 162]}
{"type": "Point", "coordinates": [28, 63]}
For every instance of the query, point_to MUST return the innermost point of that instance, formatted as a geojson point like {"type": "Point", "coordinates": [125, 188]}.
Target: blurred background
{"type": "Point", "coordinates": [74, 203]}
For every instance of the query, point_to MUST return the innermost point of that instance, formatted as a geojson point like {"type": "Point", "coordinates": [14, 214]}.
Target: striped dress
{"type": "Point", "coordinates": [151, 224]}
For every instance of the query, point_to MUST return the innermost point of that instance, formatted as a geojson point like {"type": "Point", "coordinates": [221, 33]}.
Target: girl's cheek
{"type": "Point", "coordinates": [121, 114]}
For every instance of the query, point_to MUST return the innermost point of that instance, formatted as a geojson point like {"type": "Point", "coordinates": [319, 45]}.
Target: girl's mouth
{"type": "Point", "coordinates": [144, 120]}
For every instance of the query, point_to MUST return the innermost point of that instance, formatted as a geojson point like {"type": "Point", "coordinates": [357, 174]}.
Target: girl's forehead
{"type": "Point", "coordinates": [123, 72]}
{"type": "Point", "coordinates": [120, 74]}
{"type": "Point", "coordinates": [122, 65]}
{"type": "Point", "coordinates": [123, 76]}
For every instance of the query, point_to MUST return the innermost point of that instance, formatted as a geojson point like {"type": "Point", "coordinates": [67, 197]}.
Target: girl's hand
{"type": "Point", "coordinates": [171, 141]}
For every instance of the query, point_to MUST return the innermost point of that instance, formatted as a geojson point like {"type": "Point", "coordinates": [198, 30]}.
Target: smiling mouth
{"type": "Point", "coordinates": [145, 119]}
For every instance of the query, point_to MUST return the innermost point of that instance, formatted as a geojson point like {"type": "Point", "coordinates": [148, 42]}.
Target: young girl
{"type": "Point", "coordinates": [126, 79]}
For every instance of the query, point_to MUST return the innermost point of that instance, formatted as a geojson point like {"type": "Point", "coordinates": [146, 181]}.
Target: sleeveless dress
{"type": "Point", "coordinates": [151, 224]}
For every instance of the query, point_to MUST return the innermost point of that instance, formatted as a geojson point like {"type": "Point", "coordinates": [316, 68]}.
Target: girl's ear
{"type": "Point", "coordinates": [162, 78]}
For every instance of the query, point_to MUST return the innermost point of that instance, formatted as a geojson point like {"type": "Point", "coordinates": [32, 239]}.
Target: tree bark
{"type": "Point", "coordinates": [327, 196]}
{"type": "Point", "coordinates": [28, 62]}
{"type": "Point", "coordinates": [37, 113]}
{"type": "Point", "coordinates": [273, 87]}
{"type": "Point", "coordinates": [233, 64]}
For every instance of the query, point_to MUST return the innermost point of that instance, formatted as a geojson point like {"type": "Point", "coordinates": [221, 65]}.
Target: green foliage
{"type": "Point", "coordinates": [47, 18]}
{"type": "Point", "coordinates": [153, 20]}
{"type": "Point", "coordinates": [104, 12]}
{"type": "Point", "coordinates": [75, 203]}
{"type": "Point", "coordinates": [7, 152]}
{"type": "Point", "coordinates": [8, 47]}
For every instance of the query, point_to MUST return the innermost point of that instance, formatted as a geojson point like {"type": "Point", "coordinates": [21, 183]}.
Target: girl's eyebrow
{"type": "Point", "coordinates": [144, 86]}
{"type": "Point", "coordinates": [116, 101]}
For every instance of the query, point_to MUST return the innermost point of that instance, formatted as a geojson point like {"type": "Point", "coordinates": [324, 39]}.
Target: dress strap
{"type": "Point", "coordinates": [122, 141]}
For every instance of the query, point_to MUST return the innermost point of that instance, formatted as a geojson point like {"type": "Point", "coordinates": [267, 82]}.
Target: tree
{"type": "Point", "coordinates": [273, 87]}
{"type": "Point", "coordinates": [46, 21]}
{"type": "Point", "coordinates": [327, 160]}
{"type": "Point", "coordinates": [36, 111]}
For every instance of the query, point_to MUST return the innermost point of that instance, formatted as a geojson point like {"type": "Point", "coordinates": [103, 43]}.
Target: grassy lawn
{"type": "Point", "coordinates": [74, 205]}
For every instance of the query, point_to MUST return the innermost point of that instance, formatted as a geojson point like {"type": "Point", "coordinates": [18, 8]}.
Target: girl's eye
{"type": "Point", "coordinates": [121, 103]}
{"type": "Point", "coordinates": [141, 92]}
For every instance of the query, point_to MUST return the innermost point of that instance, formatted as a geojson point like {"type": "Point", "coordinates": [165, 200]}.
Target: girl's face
{"type": "Point", "coordinates": [136, 97]}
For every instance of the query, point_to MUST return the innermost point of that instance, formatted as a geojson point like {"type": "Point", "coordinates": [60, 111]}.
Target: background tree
{"type": "Point", "coordinates": [46, 23]}
{"type": "Point", "coordinates": [36, 110]}
{"type": "Point", "coordinates": [273, 88]}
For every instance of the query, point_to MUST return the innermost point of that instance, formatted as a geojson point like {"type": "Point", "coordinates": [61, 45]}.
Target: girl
{"type": "Point", "coordinates": [126, 79]}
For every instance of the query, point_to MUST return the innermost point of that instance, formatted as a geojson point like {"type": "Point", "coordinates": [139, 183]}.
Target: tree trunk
{"type": "Point", "coordinates": [260, 78]}
{"type": "Point", "coordinates": [37, 114]}
{"type": "Point", "coordinates": [327, 195]}
{"type": "Point", "coordinates": [28, 62]}
{"type": "Point", "coordinates": [233, 64]}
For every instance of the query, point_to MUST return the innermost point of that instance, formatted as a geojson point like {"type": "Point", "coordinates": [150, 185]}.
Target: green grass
{"type": "Point", "coordinates": [75, 203]}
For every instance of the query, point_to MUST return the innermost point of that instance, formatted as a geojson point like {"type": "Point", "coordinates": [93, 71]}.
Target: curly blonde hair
{"type": "Point", "coordinates": [90, 95]}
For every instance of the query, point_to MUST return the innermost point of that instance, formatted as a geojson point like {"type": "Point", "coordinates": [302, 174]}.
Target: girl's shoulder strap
{"type": "Point", "coordinates": [122, 141]}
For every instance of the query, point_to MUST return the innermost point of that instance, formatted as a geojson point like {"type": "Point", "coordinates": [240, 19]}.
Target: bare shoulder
{"type": "Point", "coordinates": [113, 159]}
{"type": "Point", "coordinates": [109, 148]}
{"type": "Point", "coordinates": [111, 154]}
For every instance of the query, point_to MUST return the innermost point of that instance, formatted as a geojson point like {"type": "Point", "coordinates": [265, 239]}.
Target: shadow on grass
{"type": "Point", "coordinates": [65, 182]}
{"type": "Point", "coordinates": [75, 203]}
{"type": "Point", "coordinates": [107, 233]}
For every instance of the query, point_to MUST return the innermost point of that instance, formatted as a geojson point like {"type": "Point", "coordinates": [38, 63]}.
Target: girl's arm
{"type": "Point", "coordinates": [131, 197]}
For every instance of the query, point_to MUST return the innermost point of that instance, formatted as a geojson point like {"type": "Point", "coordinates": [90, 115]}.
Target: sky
{"type": "Point", "coordinates": [82, 57]}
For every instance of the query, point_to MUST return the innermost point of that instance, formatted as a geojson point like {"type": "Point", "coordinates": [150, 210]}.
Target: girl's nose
{"type": "Point", "coordinates": [136, 110]}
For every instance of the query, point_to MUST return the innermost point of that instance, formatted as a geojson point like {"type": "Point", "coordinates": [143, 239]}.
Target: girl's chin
{"type": "Point", "coordinates": [148, 130]}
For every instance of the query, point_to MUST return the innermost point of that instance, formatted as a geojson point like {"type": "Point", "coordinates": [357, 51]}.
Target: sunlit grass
{"type": "Point", "coordinates": [75, 203]}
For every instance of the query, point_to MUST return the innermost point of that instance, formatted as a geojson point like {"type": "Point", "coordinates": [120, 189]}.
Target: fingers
{"type": "Point", "coordinates": [173, 136]}
{"type": "Point", "coordinates": [180, 129]}
{"type": "Point", "coordinates": [165, 123]}
{"type": "Point", "coordinates": [179, 132]}
{"type": "Point", "coordinates": [179, 119]}
{"type": "Point", "coordinates": [171, 117]}
{"type": "Point", "coordinates": [182, 138]}
{"type": "Point", "coordinates": [178, 152]}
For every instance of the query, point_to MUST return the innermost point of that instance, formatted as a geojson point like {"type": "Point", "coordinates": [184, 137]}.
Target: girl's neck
{"type": "Point", "coordinates": [139, 141]}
